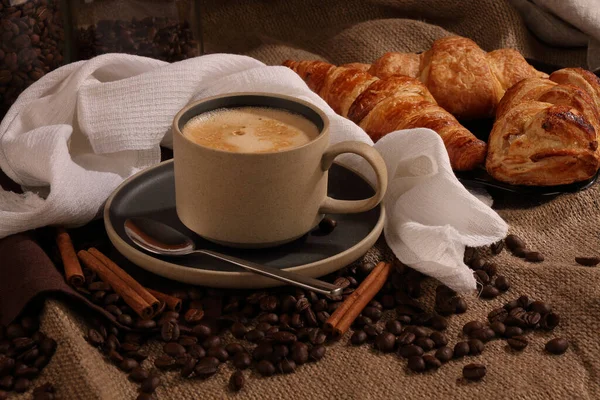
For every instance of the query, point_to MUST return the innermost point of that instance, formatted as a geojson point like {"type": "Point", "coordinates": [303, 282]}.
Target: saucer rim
{"type": "Point", "coordinates": [232, 279]}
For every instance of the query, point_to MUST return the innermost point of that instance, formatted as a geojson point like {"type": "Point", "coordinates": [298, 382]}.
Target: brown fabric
{"type": "Point", "coordinates": [342, 31]}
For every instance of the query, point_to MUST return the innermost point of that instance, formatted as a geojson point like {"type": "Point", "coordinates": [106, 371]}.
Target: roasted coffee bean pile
{"type": "Point", "coordinates": [24, 353]}
{"type": "Point", "coordinates": [159, 38]}
{"type": "Point", "coordinates": [32, 44]}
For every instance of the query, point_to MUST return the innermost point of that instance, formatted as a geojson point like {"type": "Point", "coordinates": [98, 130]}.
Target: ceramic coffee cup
{"type": "Point", "coordinates": [255, 200]}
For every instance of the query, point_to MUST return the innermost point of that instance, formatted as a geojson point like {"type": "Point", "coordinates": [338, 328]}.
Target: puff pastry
{"type": "Point", "coordinates": [546, 130]}
{"type": "Point", "coordinates": [463, 78]}
{"type": "Point", "coordinates": [381, 106]}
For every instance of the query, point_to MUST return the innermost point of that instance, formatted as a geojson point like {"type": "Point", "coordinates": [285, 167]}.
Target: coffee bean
{"type": "Point", "coordinates": [263, 326]}
{"type": "Point", "coordinates": [550, 321]}
{"type": "Point", "coordinates": [29, 355]}
{"type": "Point", "coordinates": [150, 384]}
{"type": "Point", "coordinates": [502, 283]}
{"type": "Point", "coordinates": [511, 305]}
{"type": "Point", "coordinates": [474, 372]}
{"type": "Point", "coordinates": [98, 297]}
{"type": "Point", "coordinates": [7, 382]}
{"type": "Point", "coordinates": [490, 269]}
{"type": "Point", "coordinates": [517, 342]}
{"type": "Point", "coordinates": [472, 326]}
{"type": "Point", "coordinates": [206, 367]}
{"type": "Point", "coordinates": [431, 362]}
{"type": "Point", "coordinates": [489, 292]}
{"type": "Point", "coordinates": [557, 346]}
{"type": "Point", "coordinates": [237, 381]}
{"type": "Point", "coordinates": [532, 318]}
{"type": "Point", "coordinates": [497, 315]}
{"type": "Point", "coordinates": [299, 353]}
{"type": "Point", "coordinates": [372, 331]}
{"type": "Point", "coordinates": [129, 346]}
{"type": "Point", "coordinates": [94, 337]}
{"type": "Point", "coordinates": [498, 327]}
{"type": "Point", "coordinates": [373, 313]}
{"type": "Point", "coordinates": [588, 261]}
{"type": "Point", "coordinates": [238, 330]}
{"type": "Point", "coordinates": [211, 341]}
{"type": "Point", "coordinates": [385, 342]}
{"type": "Point", "coordinates": [519, 252]}
{"type": "Point", "coordinates": [255, 336]}
{"type": "Point", "coordinates": [269, 303]}
{"type": "Point", "coordinates": [196, 351]}
{"type": "Point", "coordinates": [284, 337]}
{"type": "Point", "coordinates": [484, 334]}
{"type": "Point", "coordinates": [425, 343]}
{"type": "Point", "coordinates": [218, 352]}
{"type": "Point", "coordinates": [327, 225]}
{"type": "Point", "coordinates": [416, 363]}
{"type": "Point", "coordinates": [361, 321]}
{"type": "Point", "coordinates": [497, 247]}
{"type": "Point", "coordinates": [265, 368]}
{"type": "Point", "coordinates": [540, 307]}
{"type": "Point", "coordinates": [461, 349]}
{"type": "Point", "coordinates": [512, 320]}
{"type": "Point", "coordinates": [476, 347]}
{"type": "Point", "coordinates": [242, 360]}
{"type": "Point", "coordinates": [138, 374]}
{"type": "Point", "coordinates": [358, 338]}
{"type": "Point", "coordinates": [524, 302]}
{"type": "Point", "coordinates": [513, 331]}
{"type": "Point", "coordinates": [99, 286]}
{"type": "Point", "coordinates": [410, 350]}
{"type": "Point", "coordinates": [21, 385]}
{"type": "Point", "coordinates": [111, 298]}
{"type": "Point", "coordinates": [125, 319]}
{"type": "Point", "coordinates": [439, 339]}
{"type": "Point", "coordinates": [405, 338]}
{"type": "Point", "coordinates": [114, 310]}
{"type": "Point", "coordinates": [470, 253]}
{"type": "Point", "coordinates": [164, 362]}
{"type": "Point", "coordinates": [513, 242]}
{"type": "Point", "coordinates": [317, 352]}
{"type": "Point", "coordinates": [534, 256]}
{"type": "Point", "coordinates": [170, 331]}
{"type": "Point", "coordinates": [438, 323]}
{"type": "Point", "coordinates": [188, 367]}
{"type": "Point", "coordinates": [201, 331]}
{"type": "Point", "coordinates": [24, 343]}
{"type": "Point", "coordinates": [365, 268]}
{"type": "Point", "coordinates": [174, 349]}
{"type": "Point", "coordinates": [482, 277]}
{"type": "Point", "coordinates": [394, 327]}
{"type": "Point", "coordinates": [193, 316]}
{"type": "Point", "coordinates": [128, 364]}
{"type": "Point", "coordinates": [115, 357]}
{"type": "Point", "coordinates": [459, 305]}
{"type": "Point", "coordinates": [23, 371]}
{"type": "Point", "coordinates": [444, 354]}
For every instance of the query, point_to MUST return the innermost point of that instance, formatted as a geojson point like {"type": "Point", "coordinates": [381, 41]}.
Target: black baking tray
{"type": "Point", "coordinates": [479, 176]}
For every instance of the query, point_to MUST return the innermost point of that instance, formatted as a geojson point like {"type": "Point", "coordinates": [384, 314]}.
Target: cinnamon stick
{"type": "Point", "coordinates": [172, 302]}
{"type": "Point", "coordinates": [339, 322]}
{"type": "Point", "coordinates": [73, 273]}
{"type": "Point", "coordinates": [132, 283]}
{"type": "Point", "coordinates": [129, 295]}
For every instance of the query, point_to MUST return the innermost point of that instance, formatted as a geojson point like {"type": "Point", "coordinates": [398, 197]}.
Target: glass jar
{"type": "Point", "coordinates": [167, 30]}
{"type": "Point", "coordinates": [32, 44]}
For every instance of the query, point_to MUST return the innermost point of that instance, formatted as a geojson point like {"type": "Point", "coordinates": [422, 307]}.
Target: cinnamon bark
{"type": "Point", "coordinates": [73, 273]}
{"type": "Point", "coordinates": [172, 303]}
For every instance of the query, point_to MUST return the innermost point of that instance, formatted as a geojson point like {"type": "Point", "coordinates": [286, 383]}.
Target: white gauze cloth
{"type": "Point", "coordinates": [76, 134]}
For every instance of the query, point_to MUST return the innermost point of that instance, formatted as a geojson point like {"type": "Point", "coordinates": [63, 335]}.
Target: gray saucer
{"type": "Point", "coordinates": [151, 193]}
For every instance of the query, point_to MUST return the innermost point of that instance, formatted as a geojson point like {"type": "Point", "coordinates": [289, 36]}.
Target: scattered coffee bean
{"type": "Point", "coordinates": [425, 343]}
{"type": "Point", "coordinates": [188, 368]}
{"type": "Point", "coordinates": [588, 261]}
{"type": "Point", "coordinates": [513, 242]}
{"type": "Point", "coordinates": [557, 346]}
{"type": "Point", "coordinates": [444, 354]}
{"type": "Point", "coordinates": [385, 342]}
{"type": "Point", "coordinates": [474, 372]}
{"type": "Point", "coordinates": [263, 351]}
{"type": "Point", "coordinates": [482, 277]}
{"type": "Point", "coordinates": [202, 331]}
{"type": "Point", "coordinates": [550, 321]}
{"type": "Point", "coordinates": [489, 292]}
{"type": "Point", "coordinates": [317, 352]}
{"type": "Point", "coordinates": [327, 225]}
{"type": "Point", "coordinates": [164, 362]}
{"type": "Point", "coordinates": [459, 305]}
{"type": "Point", "coordinates": [405, 338]}
{"type": "Point", "coordinates": [498, 327]}
{"type": "Point", "coordinates": [461, 349]}
{"type": "Point", "coordinates": [174, 349]}
{"type": "Point", "coordinates": [497, 247]}
{"type": "Point", "coordinates": [138, 374]}
{"type": "Point", "coordinates": [211, 341]}
{"type": "Point", "coordinates": [21, 385]}
{"type": "Point", "coordinates": [125, 319]}
{"type": "Point", "coordinates": [286, 366]}
{"type": "Point", "coordinates": [373, 313]}
{"type": "Point", "coordinates": [513, 331]}
{"type": "Point", "coordinates": [128, 364]}
{"type": "Point", "coordinates": [410, 350]}
{"type": "Point", "coordinates": [497, 315]}
{"type": "Point", "coordinates": [477, 263]}
{"type": "Point", "coordinates": [502, 283]}
{"type": "Point", "coordinates": [540, 307]}
{"type": "Point", "coordinates": [472, 326]}
{"type": "Point", "coordinates": [439, 339]}
{"type": "Point", "coordinates": [416, 363]}
{"type": "Point", "coordinates": [517, 342]}
{"type": "Point", "coordinates": [265, 368]}
{"type": "Point", "coordinates": [476, 347]}
{"type": "Point", "coordinates": [94, 337]}
{"type": "Point", "coordinates": [372, 331]}
{"type": "Point", "coordinates": [358, 338]}
{"type": "Point", "coordinates": [150, 384]}
{"type": "Point", "coordinates": [255, 336]}
{"type": "Point", "coordinates": [394, 327]}
{"type": "Point", "coordinates": [234, 348]}
{"type": "Point", "coordinates": [242, 360]}
{"type": "Point", "coordinates": [237, 381]}
{"type": "Point", "coordinates": [431, 362]}
{"type": "Point", "coordinates": [206, 367]}
{"type": "Point", "coordinates": [299, 353]}
{"type": "Point", "coordinates": [196, 351]}
{"type": "Point", "coordinates": [218, 352]}
{"type": "Point", "coordinates": [485, 334]}
{"type": "Point", "coordinates": [194, 316]}
{"type": "Point", "coordinates": [534, 256]}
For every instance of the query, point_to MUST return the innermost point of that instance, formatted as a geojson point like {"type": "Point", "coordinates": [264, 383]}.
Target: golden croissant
{"type": "Point", "coordinates": [546, 130]}
{"type": "Point", "coordinates": [464, 79]}
{"type": "Point", "coordinates": [381, 106]}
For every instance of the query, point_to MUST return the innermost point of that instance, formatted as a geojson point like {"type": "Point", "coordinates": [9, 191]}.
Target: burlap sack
{"type": "Point", "coordinates": [562, 228]}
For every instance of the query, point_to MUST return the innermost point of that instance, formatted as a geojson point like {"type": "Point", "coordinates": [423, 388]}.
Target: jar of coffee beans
{"type": "Point", "coordinates": [32, 44]}
{"type": "Point", "coordinates": [167, 30]}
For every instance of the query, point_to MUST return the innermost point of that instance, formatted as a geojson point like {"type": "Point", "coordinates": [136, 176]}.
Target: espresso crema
{"type": "Point", "coordinates": [250, 130]}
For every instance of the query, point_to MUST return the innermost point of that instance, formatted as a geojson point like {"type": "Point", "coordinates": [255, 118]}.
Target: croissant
{"type": "Point", "coordinates": [546, 130]}
{"type": "Point", "coordinates": [463, 78]}
{"type": "Point", "coordinates": [381, 106]}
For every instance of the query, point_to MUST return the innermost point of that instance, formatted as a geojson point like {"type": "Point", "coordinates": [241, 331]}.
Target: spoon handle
{"type": "Point", "coordinates": [285, 276]}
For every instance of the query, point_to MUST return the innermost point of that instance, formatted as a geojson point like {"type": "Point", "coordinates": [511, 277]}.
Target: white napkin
{"type": "Point", "coordinates": [76, 134]}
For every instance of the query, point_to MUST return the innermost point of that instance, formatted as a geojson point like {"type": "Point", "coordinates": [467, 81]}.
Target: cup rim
{"type": "Point", "coordinates": [320, 113]}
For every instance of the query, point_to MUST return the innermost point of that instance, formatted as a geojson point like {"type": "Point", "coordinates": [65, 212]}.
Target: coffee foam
{"type": "Point", "coordinates": [250, 130]}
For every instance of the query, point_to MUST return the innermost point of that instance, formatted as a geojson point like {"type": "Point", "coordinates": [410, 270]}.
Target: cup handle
{"type": "Point", "coordinates": [336, 206]}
